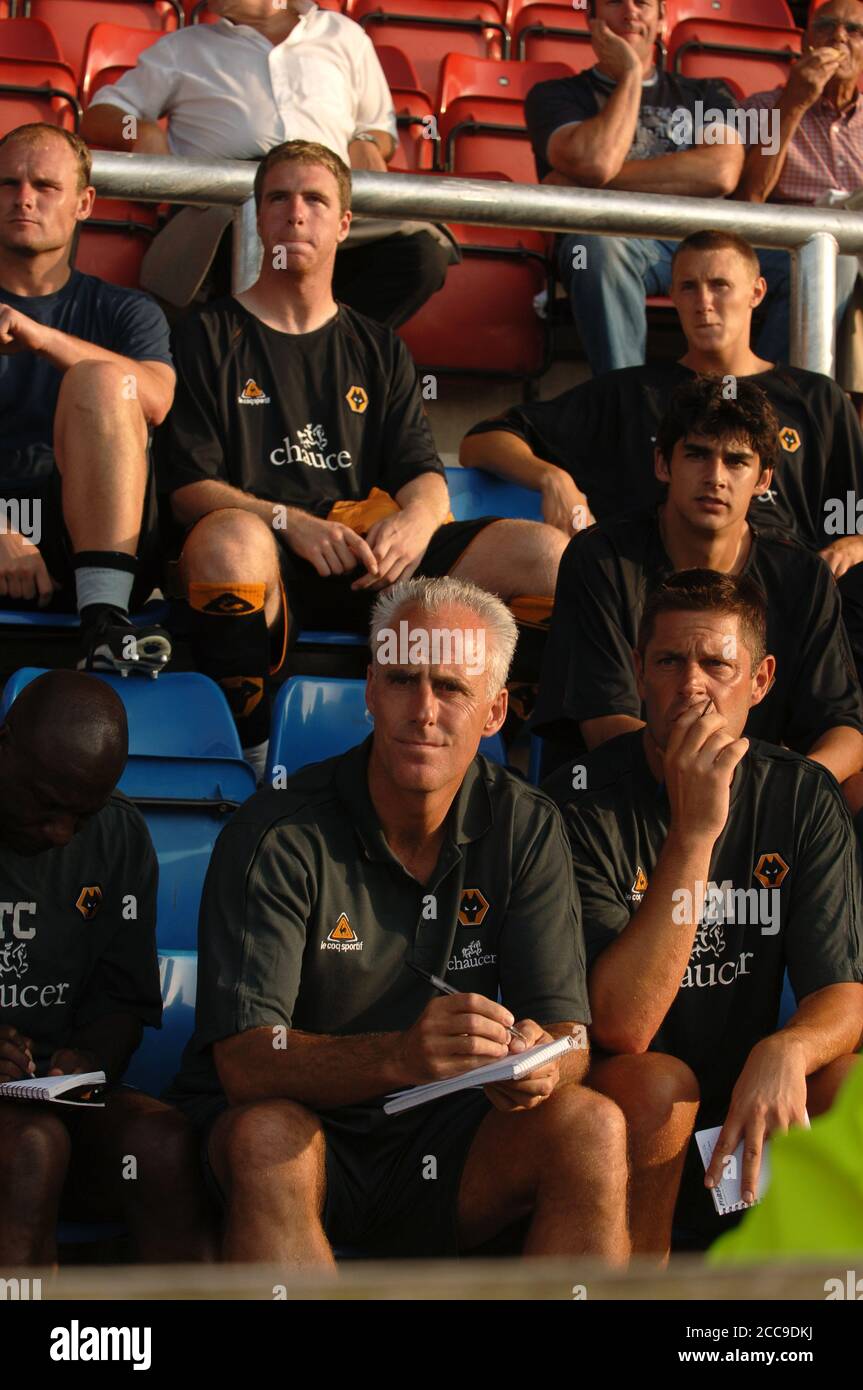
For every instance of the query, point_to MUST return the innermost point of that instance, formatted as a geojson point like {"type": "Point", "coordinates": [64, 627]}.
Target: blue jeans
{"type": "Point", "coordinates": [607, 296]}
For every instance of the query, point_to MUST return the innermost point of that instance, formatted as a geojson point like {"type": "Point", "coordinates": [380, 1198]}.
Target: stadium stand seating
{"type": "Point", "coordinates": [28, 38]}
{"type": "Point", "coordinates": [474, 493]}
{"type": "Point", "coordinates": [398, 68]}
{"type": "Point", "coordinates": [482, 123]}
{"type": "Point", "coordinates": [113, 46]}
{"type": "Point", "coordinates": [775, 12]}
{"type": "Point", "coordinates": [318, 717]}
{"type": "Point", "coordinates": [427, 30]}
{"type": "Point", "coordinates": [72, 20]}
{"type": "Point", "coordinates": [114, 240]}
{"type": "Point", "coordinates": [418, 132]}
{"type": "Point", "coordinates": [755, 57]}
{"type": "Point", "coordinates": [36, 90]}
{"type": "Point", "coordinates": [550, 33]}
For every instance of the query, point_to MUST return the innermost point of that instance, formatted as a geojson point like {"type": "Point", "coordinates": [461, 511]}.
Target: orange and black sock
{"type": "Point", "coordinates": [231, 644]}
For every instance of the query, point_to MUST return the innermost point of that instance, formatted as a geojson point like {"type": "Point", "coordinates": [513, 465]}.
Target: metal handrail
{"type": "Point", "coordinates": [813, 234]}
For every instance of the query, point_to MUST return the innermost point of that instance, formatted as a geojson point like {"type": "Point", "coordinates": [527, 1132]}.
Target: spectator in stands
{"type": "Point", "coordinates": [707, 864]}
{"type": "Point", "coordinates": [78, 980]}
{"type": "Point", "coordinates": [84, 370]}
{"type": "Point", "coordinates": [407, 848]}
{"type": "Point", "coordinates": [629, 126]}
{"type": "Point", "coordinates": [299, 457]}
{"type": "Point", "coordinates": [817, 156]}
{"type": "Point", "coordinates": [265, 73]}
{"type": "Point", "coordinates": [713, 454]}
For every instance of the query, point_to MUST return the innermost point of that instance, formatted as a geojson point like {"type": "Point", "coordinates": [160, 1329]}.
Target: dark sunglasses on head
{"type": "Point", "coordinates": [851, 27]}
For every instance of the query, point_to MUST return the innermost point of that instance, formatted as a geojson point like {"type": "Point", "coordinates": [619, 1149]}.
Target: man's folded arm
{"type": "Point", "coordinates": [705, 171]}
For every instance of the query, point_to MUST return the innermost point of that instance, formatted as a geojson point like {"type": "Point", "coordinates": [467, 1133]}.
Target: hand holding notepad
{"type": "Point", "coordinates": [510, 1068]}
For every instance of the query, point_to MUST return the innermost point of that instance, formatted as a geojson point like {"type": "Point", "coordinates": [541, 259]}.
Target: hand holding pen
{"type": "Point", "coordinates": [443, 988]}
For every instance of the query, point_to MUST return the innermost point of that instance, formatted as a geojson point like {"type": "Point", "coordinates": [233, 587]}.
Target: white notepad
{"type": "Point", "coordinates": [727, 1192]}
{"type": "Point", "coordinates": [510, 1068]}
{"type": "Point", "coordinates": [57, 1089]}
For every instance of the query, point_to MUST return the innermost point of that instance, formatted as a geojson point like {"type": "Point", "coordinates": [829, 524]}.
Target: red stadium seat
{"type": "Point", "coordinates": [427, 30]}
{"type": "Point", "coordinates": [72, 20]}
{"type": "Point", "coordinates": [482, 323]}
{"type": "Point", "coordinates": [398, 68]}
{"type": "Point", "coordinates": [774, 12]}
{"type": "Point", "coordinates": [756, 58]}
{"type": "Point", "coordinates": [37, 91]}
{"type": "Point", "coordinates": [549, 32]}
{"type": "Point", "coordinates": [196, 11]}
{"type": "Point", "coordinates": [482, 122]}
{"type": "Point", "coordinates": [417, 125]}
{"type": "Point", "coordinates": [28, 38]}
{"type": "Point", "coordinates": [113, 45]}
{"type": "Point", "coordinates": [113, 241]}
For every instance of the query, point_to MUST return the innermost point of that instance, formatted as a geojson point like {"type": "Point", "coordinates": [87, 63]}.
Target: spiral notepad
{"type": "Point", "coordinates": [60, 1090]}
{"type": "Point", "coordinates": [510, 1068]}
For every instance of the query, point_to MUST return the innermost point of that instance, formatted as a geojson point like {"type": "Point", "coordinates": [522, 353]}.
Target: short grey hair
{"type": "Point", "coordinates": [430, 595]}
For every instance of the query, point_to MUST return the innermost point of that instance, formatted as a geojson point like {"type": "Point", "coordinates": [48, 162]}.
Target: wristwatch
{"type": "Point", "coordinates": [364, 135]}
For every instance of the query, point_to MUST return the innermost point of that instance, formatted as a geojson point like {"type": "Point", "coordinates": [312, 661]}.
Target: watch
{"type": "Point", "coordinates": [364, 135]}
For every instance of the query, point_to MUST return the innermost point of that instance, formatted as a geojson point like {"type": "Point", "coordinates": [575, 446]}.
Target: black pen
{"type": "Point", "coordinates": [443, 988]}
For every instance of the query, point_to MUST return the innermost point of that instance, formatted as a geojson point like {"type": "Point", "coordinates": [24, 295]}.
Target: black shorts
{"type": "Point", "coordinates": [392, 1180]}
{"type": "Point", "coordinates": [55, 546]}
{"type": "Point", "coordinates": [330, 603]}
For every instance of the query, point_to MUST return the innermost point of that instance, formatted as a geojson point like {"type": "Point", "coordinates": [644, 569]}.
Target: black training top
{"type": "Point", "coordinates": [78, 930]}
{"type": "Point", "coordinates": [307, 917]}
{"type": "Point", "coordinates": [605, 576]}
{"type": "Point", "coordinates": [661, 127]}
{"type": "Point", "coordinates": [788, 836]}
{"type": "Point", "coordinates": [302, 419]}
{"type": "Point", "coordinates": [603, 433]}
{"type": "Point", "coordinates": [120, 320]}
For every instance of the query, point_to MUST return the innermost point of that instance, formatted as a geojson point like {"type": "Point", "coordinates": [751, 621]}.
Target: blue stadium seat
{"type": "Point", "coordinates": [316, 717]}
{"type": "Point", "coordinates": [155, 612]}
{"type": "Point", "coordinates": [158, 1058]}
{"type": "Point", "coordinates": [474, 493]}
{"type": "Point", "coordinates": [177, 715]}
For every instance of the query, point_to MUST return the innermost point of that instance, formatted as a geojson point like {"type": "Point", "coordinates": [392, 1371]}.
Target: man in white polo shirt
{"type": "Point", "coordinates": [266, 73]}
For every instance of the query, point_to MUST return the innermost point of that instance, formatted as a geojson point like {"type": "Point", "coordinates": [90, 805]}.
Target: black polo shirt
{"type": "Point", "coordinates": [307, 917]}
{"type": "Point", "coordinates": [301, 419]}
{"type": "Point", "coordinates": [788, 833]}
{"type": "Point", "coordinates": [603, 433]}
{"type": "Point", "coordinates": [78, 931]}
{"type": "Point", "coordinates": [605, 576]}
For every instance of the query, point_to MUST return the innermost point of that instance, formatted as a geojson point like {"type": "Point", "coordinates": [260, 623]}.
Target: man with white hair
{"type": "Point", "coordinates": [321, 898]}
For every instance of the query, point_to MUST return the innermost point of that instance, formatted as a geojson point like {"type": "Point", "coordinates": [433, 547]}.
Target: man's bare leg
{"type": "Point", "coordinates": [269, 1159]}
{"type": "Point", "coordinates": [513, 558]}
{"type": "Point", "coordinates": [34, 1157]}
{"type": "Point", "coordinates": [658, 1095]}
{"type": "Point", "coordinates": [231, 546]}
{"type": "Point", "coordinates": [100, 445]}
{"type": "Point", "coordinates": [563, 1164]}
{"type": "Point", "coordinates": [138, 1161]}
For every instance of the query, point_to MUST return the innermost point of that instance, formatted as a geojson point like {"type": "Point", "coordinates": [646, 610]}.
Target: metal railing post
{"type": "Point", "coordinates": [247, 249]}
{"type": "Point", "coordinates": [813, 304]}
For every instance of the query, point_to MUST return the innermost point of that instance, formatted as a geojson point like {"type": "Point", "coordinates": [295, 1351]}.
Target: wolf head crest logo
{"type": "Point", "coordinates": [472, 908]}
{"type": "Point", "coordinates": [313, 437]}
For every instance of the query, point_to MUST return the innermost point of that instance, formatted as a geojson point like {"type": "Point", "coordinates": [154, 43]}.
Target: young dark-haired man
{"type": "Point", "coordinates": [707, 864]}
{"type": "Point", "coordinates": [713, 455]}
{"type": "Point", "coordinates": [300, 460]}
{"type": "Point", "coordinates": [84, 371]}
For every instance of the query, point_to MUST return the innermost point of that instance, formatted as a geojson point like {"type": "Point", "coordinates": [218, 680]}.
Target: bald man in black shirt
{"type": "Point", "coordinates": [707, 864]}
{"type": "Point", "coordinates": [78, 980]}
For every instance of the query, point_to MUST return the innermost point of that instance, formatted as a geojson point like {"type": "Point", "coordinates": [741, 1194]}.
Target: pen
{"type": "Point", "coordinates": [443, 988]}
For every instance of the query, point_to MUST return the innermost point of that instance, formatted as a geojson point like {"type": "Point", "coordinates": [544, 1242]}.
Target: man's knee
{"type": "Point", "coordinates": [34, 1153]}
{"type": "Point", "coordinates": [100, 386]}
{"type": "Point", "coordinates": [165, 1149]}
{"type": "Point", "coordinates": [230, 544]}
{"type": "Point", "coordinates": [647, 1088]}
{"type": "Point", "coordinates": [249, 1141]}
{"type": "Point", "coordinates": [585, 1125]}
